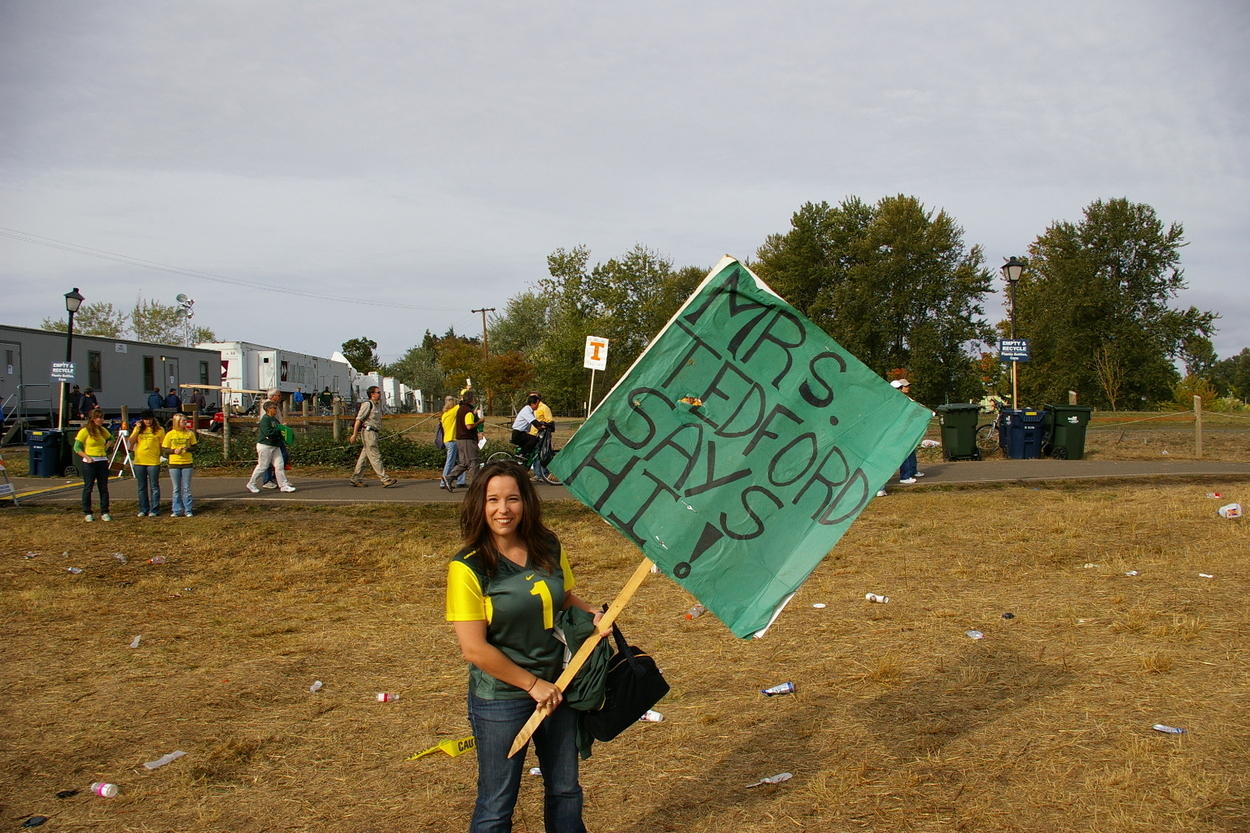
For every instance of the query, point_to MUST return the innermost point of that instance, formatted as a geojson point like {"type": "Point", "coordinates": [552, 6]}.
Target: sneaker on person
{"type": "Point", "coordinates": [386, 484]}
{"type": "Point", "coordinates": [882, 493]}
{"type": "Point", "coordinates": [288, 488]}
{"type": "Point", "coordinates": [142, 515]}
{"type": "Point", "coordinates": [88, 518]}
{"type": "Point", "coordinates": [189, 515]}
{"type": "Point", "coordinates": [355, 482]}
{"type": "Point", "coordinates": [269, 485]}
{"type": "Point", "coordinates": [106, 517]}
{"type": "Point", "coordinates": [251, 488]}
{"type": "Point", "coordinates": [154, 514]}
{"type": "Point", "coordinates": [908, 481]}
{"type": "Point", "coordinates": [918, 474]}
{"type": "Point", "coordinates": [552, 480]}
{"type": "Point", "coordinates": [442, 483]}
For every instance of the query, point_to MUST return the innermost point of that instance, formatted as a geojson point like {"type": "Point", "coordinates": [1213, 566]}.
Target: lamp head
{"type": "Point", "coordinates": [73, 300]}
{"type": "Point", "coordinates": [1012, 268]}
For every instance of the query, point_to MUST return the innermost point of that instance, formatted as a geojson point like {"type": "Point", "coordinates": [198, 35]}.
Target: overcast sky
{"type": "Point", "coordinates": [402, 163]}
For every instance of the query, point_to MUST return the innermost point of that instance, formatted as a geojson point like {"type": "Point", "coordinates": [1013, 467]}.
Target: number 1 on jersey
{"type": "Point", "coordinates": [541, 590]}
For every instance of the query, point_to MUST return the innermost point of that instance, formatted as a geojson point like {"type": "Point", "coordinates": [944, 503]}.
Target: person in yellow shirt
{"type": "Point", "coordinates": [144, 443]}
{"type": "Point", "coordinates": [543, 426]}
{"type": "Point", "coordinates": [448, 422]}
{"type": "Point", "coordinates": [177, 447]}
{"type": "Point", "coordinates": [92, 445]}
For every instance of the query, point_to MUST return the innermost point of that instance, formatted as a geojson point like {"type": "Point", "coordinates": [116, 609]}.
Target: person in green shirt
{"type": "Point", "coordinates": [91, 444]}
{"type": "Point", "coordinates": [269, 442]}
{"type": "Point", "coordinates": [504, 589]}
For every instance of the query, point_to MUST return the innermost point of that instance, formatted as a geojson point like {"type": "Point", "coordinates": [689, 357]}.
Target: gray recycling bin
{"type": "Point", "coordinates": [1065, 431]}
{"type": "Point", "coordinates": [958, 421]}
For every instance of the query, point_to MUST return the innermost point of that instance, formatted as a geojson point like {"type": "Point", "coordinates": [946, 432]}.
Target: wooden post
{"type": "Point", "coordinates": [1071, 397]}
{"type": "Point", "coordinates": [125, 416]}
{"type": "Point", "coordinates": [225, 429]}
{"type": "Point", "coordinates": [579, 659]}
{"type": "Point", "coordinates": [337, 410]}
{"type": "Point", "coordinates": [1198, 426]}
{"type": "Point", "coordinates": [304, 407]}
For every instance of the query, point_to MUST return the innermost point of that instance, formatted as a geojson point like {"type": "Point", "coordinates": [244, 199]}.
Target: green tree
{"type": "Point", "coordinates": [524, 324]}
{"type": "Point", "coordinates": [158, 323]}
{"type": "Point", "coordinates": [1198, 355]}
{"type": "Point", "coordinates": [1093, 302]}
{"type": "Point", "coordinates": [98, 319]}
{"type": "Point", "coordinates": [418, 368]}
{"type": "Point", "coordinates": [361, 353]}
{"type": "Point", "coordinates": [1231, 376]}
{"type": "Point", "coordinates": [893, 283]}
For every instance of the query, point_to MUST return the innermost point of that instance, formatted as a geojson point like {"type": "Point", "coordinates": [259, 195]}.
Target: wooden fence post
{"type": "Point", "coordinates": [1198, 426]}
{"type": "Point", "coordinates": [225, 429]}
{"type": "Point", "coordinates": [338, 429]}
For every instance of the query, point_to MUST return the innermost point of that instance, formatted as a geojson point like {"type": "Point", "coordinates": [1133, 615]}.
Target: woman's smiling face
{"type": "Point", "coordinates": [504, 506]}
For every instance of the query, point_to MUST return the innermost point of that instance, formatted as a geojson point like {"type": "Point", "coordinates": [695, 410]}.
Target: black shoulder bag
{"type": "Point", "coordinates": [634, 684]}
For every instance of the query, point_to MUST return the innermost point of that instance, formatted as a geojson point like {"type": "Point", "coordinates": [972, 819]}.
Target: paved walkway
{"type": "Point", "coordinates": [210, 489]}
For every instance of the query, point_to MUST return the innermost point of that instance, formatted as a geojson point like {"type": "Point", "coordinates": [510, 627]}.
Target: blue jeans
{"type": "Point", "coordinates": [148, 479]}
{"type": "Point", "coordinates": [96, 474]}
{"type": "Point", "coordinates": [451, 461]}
{"type": "Point", "coordinates": [269, 477]}
{"type": "Point", "coordinates": [495, 724]}
{"type": "Point", "coordinates": [909, 467]}
{"type": "Point", "coordinates": [181, 478]}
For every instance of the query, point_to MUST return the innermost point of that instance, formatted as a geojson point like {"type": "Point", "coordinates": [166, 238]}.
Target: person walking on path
{"type": "Point", "coordinates": [144, 443]}
{"type": "Point", "coordinates": [269, 481]}
{"type": "Point", "coordinates": [504, 587]}
{"type": "Point", "coordinates": [466, 440]}
{"type": "Point", "coordinates": [179, 441]}
{"type": "Point", "coordinates": [91, 444]}
{"type": "Point", "coordinates": [368, 424]}
{"type": "Point", "coordinates": [269, 442]}
{"type": "Point", "coordinates": [448, 424]}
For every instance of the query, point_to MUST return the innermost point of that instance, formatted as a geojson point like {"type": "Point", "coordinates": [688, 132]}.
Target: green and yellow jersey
{"type": "Point", "coordinates": [519, 607]}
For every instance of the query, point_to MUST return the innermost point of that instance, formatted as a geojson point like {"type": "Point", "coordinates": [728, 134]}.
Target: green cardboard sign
{"type": "Point", "coordinates": [740, 447]}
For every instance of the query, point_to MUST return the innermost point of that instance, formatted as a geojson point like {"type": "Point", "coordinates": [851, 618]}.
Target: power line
{"type": "Point", "coordinates": [52, 243]}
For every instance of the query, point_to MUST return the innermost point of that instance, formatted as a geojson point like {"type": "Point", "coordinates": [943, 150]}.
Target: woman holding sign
{"type": "Point", "coordinates": [503, 590]}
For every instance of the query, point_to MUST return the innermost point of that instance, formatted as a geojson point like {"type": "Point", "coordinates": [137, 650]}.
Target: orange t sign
{"type": "Point", "coordinates": [596, 356]}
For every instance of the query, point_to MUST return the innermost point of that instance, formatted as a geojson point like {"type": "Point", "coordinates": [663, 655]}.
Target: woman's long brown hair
{"type": "Point", "coordinates": [93, 429]}
{"type": "Point", "coordinates": [540, 542]}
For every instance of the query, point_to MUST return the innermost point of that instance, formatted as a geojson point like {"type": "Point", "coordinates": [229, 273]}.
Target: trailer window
{"type": "Point", "coordinates": [93, 369]}
{"type": "Point", "coordinates": [149, 373]}
{"type": "Point", "coordinates": [203, 373]}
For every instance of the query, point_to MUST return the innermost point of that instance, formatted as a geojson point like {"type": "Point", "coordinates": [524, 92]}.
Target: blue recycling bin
{"type": "Point", "coordinates": [1021, 431]}
{"type": "Point", "coordinates": [44, 450]}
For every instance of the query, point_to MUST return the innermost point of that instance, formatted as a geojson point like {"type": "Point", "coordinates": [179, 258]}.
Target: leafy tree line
{"type": "Point", "coordinates": [896, 284]}
{"type": "Point", "coordinates": [148, 320]}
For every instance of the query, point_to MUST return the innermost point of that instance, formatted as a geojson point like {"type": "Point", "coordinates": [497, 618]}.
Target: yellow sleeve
{"type": "Point", "coordinates": [469, 420]}
{"type": "Point", "coordinates": [191, 439]}
{"type": "Point", "coordinates": [465, 602]}
{"type": "Point", "coordinates": [569, 583]}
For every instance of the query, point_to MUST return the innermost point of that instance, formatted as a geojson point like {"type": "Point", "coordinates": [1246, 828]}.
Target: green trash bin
{"type": "Point", "coordinates": [958, 421]}
{"type": "Point", "coordinates": [1065, 431]}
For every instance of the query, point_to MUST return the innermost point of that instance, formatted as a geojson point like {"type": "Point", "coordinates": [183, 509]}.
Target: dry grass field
{"type": "Point", "coordinates": [901, 722]}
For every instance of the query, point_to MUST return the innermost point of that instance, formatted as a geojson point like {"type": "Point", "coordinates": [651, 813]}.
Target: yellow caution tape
{"type": "Point", "coordinates": [452, 747]}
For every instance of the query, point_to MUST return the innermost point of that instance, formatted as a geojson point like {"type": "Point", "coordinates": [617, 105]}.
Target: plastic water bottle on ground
{"type": "Point", "coordinates": [877, 598]}
{"type": "Point", "coordinates": [316, 686]}
{"type": "Point", "coordinates": [695, 612]}
{"type": "Point", "coordinates": [104, 789]}
{"type": "Point", "coordinates": [387, 697]}
{"type": "Point", "coordinates": [780, 688]}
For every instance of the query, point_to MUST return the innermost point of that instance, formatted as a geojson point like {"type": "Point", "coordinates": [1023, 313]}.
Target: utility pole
{"type": "Point", "coordinates": [488, 401]}
{"type": "Point", "coordinates": [485, 338]}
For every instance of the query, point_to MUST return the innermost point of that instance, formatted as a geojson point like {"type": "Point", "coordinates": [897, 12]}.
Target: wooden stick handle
{"type": "Point", "coordinates": [583, 653]}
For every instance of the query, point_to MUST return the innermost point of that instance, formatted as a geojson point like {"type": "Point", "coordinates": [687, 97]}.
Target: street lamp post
{"type": "Point", "coordinates": [1011, 273]}
{"type": "Point", "coordinates": [187, 314]}
{"type": "Point", "coordinates": [73, 300]}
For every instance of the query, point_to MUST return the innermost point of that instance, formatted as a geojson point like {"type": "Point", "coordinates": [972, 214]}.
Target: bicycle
{"type": "Point", "coordinates": [987, 440]}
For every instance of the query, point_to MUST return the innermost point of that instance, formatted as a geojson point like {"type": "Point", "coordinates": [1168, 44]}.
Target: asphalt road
{"type": "Point", "coordinates": [322, 490]}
